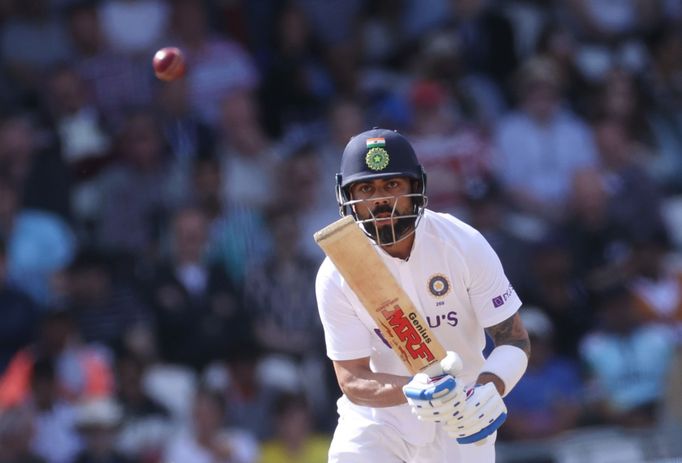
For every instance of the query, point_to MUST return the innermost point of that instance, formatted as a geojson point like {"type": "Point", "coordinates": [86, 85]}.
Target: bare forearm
{"type": "Point", "coordinates": [375, 389]}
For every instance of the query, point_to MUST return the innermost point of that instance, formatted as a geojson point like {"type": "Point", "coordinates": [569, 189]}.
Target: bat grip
{"type": "Point", "coordinates": [433, 370]}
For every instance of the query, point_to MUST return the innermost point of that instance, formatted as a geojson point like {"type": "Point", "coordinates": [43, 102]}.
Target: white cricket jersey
{"type": "Point", "coordinates": [457, 283]}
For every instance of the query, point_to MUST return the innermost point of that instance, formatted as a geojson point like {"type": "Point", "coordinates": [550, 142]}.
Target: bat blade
{"type": "Point", "coordinates": [396, 316]}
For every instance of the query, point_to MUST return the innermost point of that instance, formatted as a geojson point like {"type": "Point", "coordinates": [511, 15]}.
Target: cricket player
{"type": "Point", "coordinates": [457, 283]}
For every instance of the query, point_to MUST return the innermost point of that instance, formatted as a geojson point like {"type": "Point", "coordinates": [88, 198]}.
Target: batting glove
{"type": "Point", "coordinates": [483, 413]}
{"type": "Point", "coordinates": [436, 398]}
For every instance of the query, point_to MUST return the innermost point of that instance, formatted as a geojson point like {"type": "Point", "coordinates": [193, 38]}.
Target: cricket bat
{"type": "Point", "coordinates": [401, 325]}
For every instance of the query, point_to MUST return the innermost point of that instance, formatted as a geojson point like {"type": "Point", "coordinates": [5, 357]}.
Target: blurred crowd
{"type": "Point", "coordinates": [156, 257]}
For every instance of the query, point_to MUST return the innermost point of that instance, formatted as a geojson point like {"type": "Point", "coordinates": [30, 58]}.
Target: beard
{"type": "Point", "coordinates": [389, 233]}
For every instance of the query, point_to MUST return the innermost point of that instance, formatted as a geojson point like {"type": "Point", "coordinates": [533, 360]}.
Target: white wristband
{"type": "Point", "coordinates": [507, 362]}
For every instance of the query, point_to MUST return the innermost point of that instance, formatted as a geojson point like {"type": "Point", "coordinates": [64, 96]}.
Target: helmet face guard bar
{"type": "Point", "coordinates": [401, 225]}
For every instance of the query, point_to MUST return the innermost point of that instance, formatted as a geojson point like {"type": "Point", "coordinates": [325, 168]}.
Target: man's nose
{"type": "Point", "coordinates": [380, 198]}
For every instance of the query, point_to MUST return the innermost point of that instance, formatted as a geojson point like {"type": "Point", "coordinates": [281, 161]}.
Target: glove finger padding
{"type": "Point", "coordinates": [433, 399]}
{"type": "Point", "coordinates": [483, 413]}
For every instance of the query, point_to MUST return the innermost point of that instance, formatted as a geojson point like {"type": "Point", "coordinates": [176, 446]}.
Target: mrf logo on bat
{"type": "Point", "coordinates": [410, 334]}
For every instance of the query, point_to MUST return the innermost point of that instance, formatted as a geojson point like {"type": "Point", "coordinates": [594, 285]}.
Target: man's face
{"type": "Point", "coordinates": [190, 236]}
{"type": "Point", "coordinates": [541, 100]}
{"type": "Point", "coordinates": [383, 201]}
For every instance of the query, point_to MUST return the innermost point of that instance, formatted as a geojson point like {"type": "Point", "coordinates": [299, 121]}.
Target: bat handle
{"type": "Point", "coordinates": [451, 364]}
{"type": "Point", "coordinates": [433, 370]}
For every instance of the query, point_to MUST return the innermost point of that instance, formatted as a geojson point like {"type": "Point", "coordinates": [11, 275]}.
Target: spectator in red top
{"type": "Point", "coordinates": [81, 370]}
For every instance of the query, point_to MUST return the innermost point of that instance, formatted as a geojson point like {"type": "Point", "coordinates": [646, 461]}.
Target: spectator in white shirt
{"type": "Point", "coordinates": [208, 441]}
{"type": "Point", "coordinates": [541, 145]}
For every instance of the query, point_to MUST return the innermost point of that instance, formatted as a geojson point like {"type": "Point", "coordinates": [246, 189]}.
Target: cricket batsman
{"type": "Point", "coordinates": [458, 285]}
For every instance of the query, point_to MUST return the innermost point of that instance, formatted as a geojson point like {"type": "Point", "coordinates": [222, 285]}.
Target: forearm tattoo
{"type": "Point", "coordinates": [510, 332]}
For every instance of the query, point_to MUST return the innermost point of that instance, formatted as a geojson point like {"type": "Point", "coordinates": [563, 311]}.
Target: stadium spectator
{"type": "Point", "coordinates": [44, 44]}
{"type": "Point", "coordinates": [55, 438]}
{"type": "Point", "coordinates": [451, 151]}
{"type": "Point", "coordinates": [16, 433]}
{"type": "Point", "coordinates": [248, 395]}
{"type": "Point", "coordinates": [486, 38]}
{"type": "Point", "coordinates": [634, 198]}
{"type": "Point", "coordinates": [106, 308]}
{"type": "Point", "coordinates": [303, 168]}
{"type": "Point", "coordinates": [664, 90]}
{"type": "Point", "coordinates": [295, 83]}
{"type": "Point", "coordinates": [670, 412]}
{"type": "Point", "coordinates": [606, 21]}
{"type": "Point", "coordinates": [215, 64]}
{"type": "Point", "coordinates": [382, 34]}
{"type": "Point", "coordinates": [136, 193]}
{"type": "Point", "coordinates": [275, 286]}
{"type": "Point", "coordinates": [540, 144]}
{"type": "Point", "coordinates": [146, 425]}
{"type": "Point", "coordinates": [249, 157]}
{"type": "Point", "coordinates": [662, 77]}
{"type": "Point", "coordinates": [344, 118]}
{"type": "Point", "coordinates": [77, 122]}
{"type": "Point", "coordinates": [554, 286]}
{"type": "Point", "coordinates": [295, 438]}
{"type": "Point", "coordinates": [333, 29]}
{"type": "Point", "coordinates": [39, 243]}
{"type": "Point", "coordinates": [621, 98]}
{"type": "Point", "coordinates": [627, 362]}
{"type": "Point", "coordinates": [98, 422]}
{"type": "Point", "coordinates": [487, 211]}
{"type": "Point", "coordinates": [547, 400]}
{"type": "Point", "coordinates": [114, 81]}
{"type": "Point", "coordinates": [237, 232]}
{"type": "Point", "coordinates": [656, 282]}
{"type": "Point", "coordinates": [18, 312]}
{"type": "Point", "coordinates": [134, 28]}
{"type": "Point", "coordinates": [558, 42]}
{"type": "Point", "coordinates": [81, 370]}
{"type": "Point", "coordinates": [199, 313]}
{"type": "Point", "coordinates": [30, 158]}
{"type": "Point", "coordinates": [209, 440]}
{"type": "Point", "coordinates": [279, 296]}
{"type": "Point", "coordinates": [187, 137]}
{"type": "Point", "coordinates": [598, 243]}
{"type": "Point", "coordinates": [478, 99]}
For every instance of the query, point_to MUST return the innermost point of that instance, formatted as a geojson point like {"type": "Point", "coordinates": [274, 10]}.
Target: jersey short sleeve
{"type": "Point", "coordinates": [346, 337]}
{"type": "Point", "coordinates": [490, 292]}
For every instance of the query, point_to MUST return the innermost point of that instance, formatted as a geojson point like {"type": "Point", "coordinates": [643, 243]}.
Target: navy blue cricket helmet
{"type": "Point", "coordinates": [379, 154]}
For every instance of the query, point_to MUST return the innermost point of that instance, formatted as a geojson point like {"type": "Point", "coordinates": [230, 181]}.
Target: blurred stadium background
{"type": "Point", "coordinates": [156, 262]}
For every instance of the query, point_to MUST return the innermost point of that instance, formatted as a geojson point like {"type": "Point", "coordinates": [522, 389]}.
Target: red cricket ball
{"type": "Point", "coordinates": [169, 63]}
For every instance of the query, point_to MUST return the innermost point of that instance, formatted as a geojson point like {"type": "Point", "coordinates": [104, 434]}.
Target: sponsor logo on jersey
{"type": "Point", "coordinates": [450, 318]}
{"type": "Point", "coordinates": [439, 286]}
{"type": "Point", "coordinates": [377, 158]}
{"type": "Point", "coordinates": [499, 301]}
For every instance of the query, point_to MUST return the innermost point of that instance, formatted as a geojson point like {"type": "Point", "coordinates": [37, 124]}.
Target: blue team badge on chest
{"type": "Point", "coordinates": [439, 285]}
